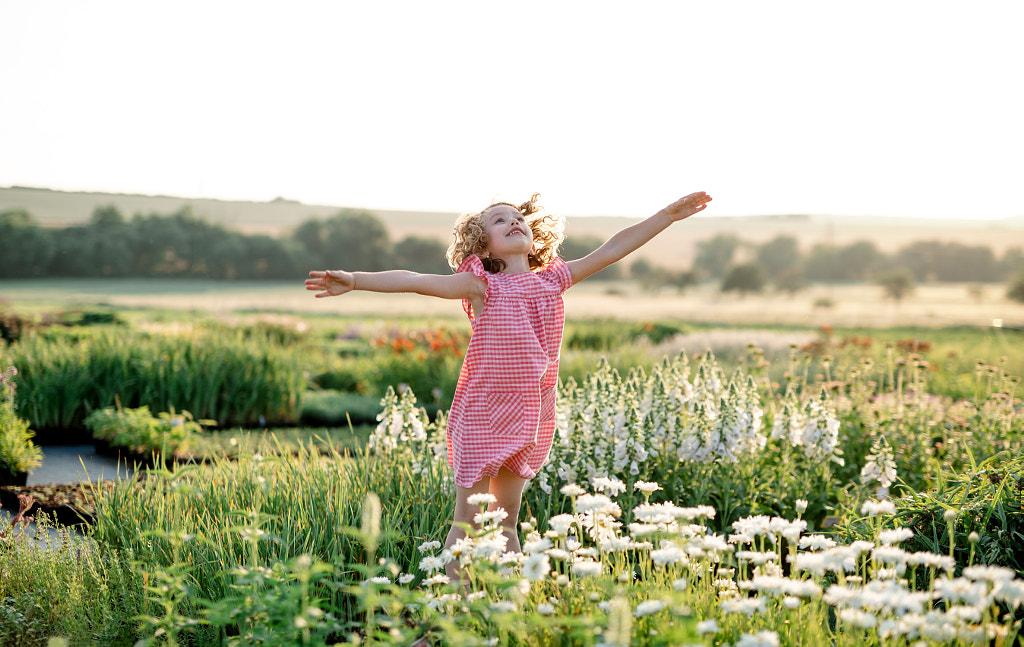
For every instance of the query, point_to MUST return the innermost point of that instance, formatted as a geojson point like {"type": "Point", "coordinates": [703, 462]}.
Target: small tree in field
{"type": "Point", "coordinates": [897, 284]}
{"type": "Point", "coordinates": [1015, 291]}
{"type": "Point", "coordinates": [745, 278]}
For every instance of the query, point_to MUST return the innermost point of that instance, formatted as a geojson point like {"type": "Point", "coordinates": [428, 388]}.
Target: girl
{"type": "Point", "coordinates": [510, 281]}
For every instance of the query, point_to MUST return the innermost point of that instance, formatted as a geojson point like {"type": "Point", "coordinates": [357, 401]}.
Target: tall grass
{"type": "Point", "coordinates": [229, 377]}
{"type": "Point", "coordinates": [300, 503]}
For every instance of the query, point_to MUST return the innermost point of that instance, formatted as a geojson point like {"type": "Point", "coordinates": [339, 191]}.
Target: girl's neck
{"type": "Point", "coordinates": [516, 264]}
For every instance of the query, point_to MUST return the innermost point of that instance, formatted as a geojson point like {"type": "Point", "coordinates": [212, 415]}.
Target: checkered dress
{"type": "Point", "coordinates": [503, 414]}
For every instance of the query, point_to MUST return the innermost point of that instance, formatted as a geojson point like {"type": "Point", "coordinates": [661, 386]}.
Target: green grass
{"type": "Point", "coordinates": [294, 440]}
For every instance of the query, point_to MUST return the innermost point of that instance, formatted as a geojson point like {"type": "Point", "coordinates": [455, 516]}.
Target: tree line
{"type": "Point", "coordinates": [182, 244]}
{"type": "Point", "coordinates": [779, 263]}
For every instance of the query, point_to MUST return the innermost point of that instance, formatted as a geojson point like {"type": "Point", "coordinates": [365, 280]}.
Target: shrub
{"type": "Point", "coordinates": [137, 430]}
{"type": "Point", "coordinates": [18, 454]}
{"type": "Point", "coordinates": [60, 584]}
{"type": "Point", "coordinates": [13, 326]}
{"type": "Point", "coordinates": [986, 499]}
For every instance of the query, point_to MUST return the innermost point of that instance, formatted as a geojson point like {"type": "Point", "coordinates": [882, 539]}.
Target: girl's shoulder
{"type": "Point", "coordinates": [473, 264]}
{"type": "Point", "coordinates": [557, 273]}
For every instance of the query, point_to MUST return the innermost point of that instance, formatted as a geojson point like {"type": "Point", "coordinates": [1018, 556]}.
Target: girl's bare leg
{"type": "Point", "coordinates": [463, 514]}
{"type": "Point", "coordinates": [508, 488]}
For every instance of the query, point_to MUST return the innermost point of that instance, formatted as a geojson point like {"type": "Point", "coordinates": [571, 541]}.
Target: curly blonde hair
{"type": "Point", "coordinates": [469, 236]}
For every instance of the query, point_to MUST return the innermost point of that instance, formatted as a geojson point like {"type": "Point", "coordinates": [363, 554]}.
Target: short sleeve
{"type": "Point", "coordinates": [472, 263]}
{"type": "Point", "coordinates": [557, 272]}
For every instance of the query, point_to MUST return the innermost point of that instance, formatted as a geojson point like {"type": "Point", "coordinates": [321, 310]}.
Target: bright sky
{"type": "Point", "coordinates": [908, 108]}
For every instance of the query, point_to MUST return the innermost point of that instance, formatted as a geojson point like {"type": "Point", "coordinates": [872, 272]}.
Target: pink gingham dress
{"type": "Point", "coordinates": [503, 413]}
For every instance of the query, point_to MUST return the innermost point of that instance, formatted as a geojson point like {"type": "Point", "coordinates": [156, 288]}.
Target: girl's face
{"type": "Point", "coordinates": [507, 232]}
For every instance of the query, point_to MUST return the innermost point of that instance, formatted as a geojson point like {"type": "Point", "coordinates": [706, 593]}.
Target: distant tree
{"type": "Point", "coordinates": [173, 245]}
{"type": "Point", "coordinates": [356, 240]}
{"type": "Point", "coordinates": [73, 253]}
{"type": "Point", "coordinates": [228, 258]}
{"type": "Point", "coordinates": [791, 281]}
{"type": "Point", "coordinates": [714, 256]}
{"type": "Point", "coordinates": [111, 243]}
{"type": "Point", "coordinates": [822, 264]}
{"type": "Point", "coordinates": [935, 260]}
{"type": "Point", "coordinates": [642, 269]}
{"type": "Point", "coordinates": [425, 255]}
{"type": "Point", "coordinates": [266, 257]}
{"type": "Point", "coordinates": [25, 249]}
{"type": "Point", "coordinates": [745, 278]}
{"type": "Point", "coordinates": [107, 216]}
{"type": "Point", "coordinates": [1015, 291]}
{"type": "Point", "coordinates": [1011, 262]}
{"type": "Point", "coordinates": [860, 259]}
{"type": "Point", "coordinates": [647, 274]}
{"type": "Point", "coordinates": [897, 284]}
{"type": "Point", "coordinates": [779, 255]}
{"type": "Point", "coordinates": [576, 247]}
{"type": "Point", "coordinates": [682, 280]}
{"type": "Point", "coordinates": [854, 262]}
{"type": "Point", "coordinates": [921, 258]}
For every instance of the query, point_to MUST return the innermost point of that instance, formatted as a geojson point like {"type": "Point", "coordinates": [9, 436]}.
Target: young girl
{"type": "Point", "coordinates": [510, 281]}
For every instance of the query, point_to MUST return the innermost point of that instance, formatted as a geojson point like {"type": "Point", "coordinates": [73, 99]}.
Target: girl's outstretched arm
{"type": "Point", "coordinates": [332, 283]}
{"type": "Point", "coordinates": [632, 238]}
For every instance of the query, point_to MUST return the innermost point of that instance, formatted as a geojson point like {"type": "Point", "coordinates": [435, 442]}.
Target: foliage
{"type": "Point", "coordinates": [714, 256]}
{"type": "Point", "coordinates": [986, 499]}
{"type": "Point", "coordinates": [25, 247]}
{"type": "Point", "coordinates": [574, 247]}
{"type": "Point", "coordinates": [791, 281]}
{"type": "Point", "coordinates": [353, 239]}
{"type": "Point", "coordinates": [606, 335]}
{"type": "Point", "coordinates": [18, 454]}
{"type": "Point", "coordinates": [56, 584]}
{"type": "Point", "coordinates": [745, 278]}
{"type": "Point", "coordinates": [934, 260]}
{"type": "Point", "coordinates": [1015, 291]}
{"type": "Point", "coordinates": [235, 378]}
{"type": "Point", "coordinates": [779, 256]}
{"type": "Point", "coordinates": [626, 546]}
{"type": "Point", "coordinates": [294, 502]}
{"type": "Point", "coordinates": [854, 262]}
{"type": "Point", "coordinates": [425, 255]}
{"type": "Point", "coordinates": [896, 283]}
{"type": "Point", "coordinates": [13, 325]}
{"type": "Point", "coordinates": [666, 578]}
{"type": "Point", "coordinates": [700, 435]}
{"type": "Point", "coordinates": [137, 430]}
{"type": "Point", "coordinates": [336, 408]}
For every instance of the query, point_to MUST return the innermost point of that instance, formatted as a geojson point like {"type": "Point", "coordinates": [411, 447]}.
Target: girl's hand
{"type": "Point", "coordinates": [686, 207]}
{"type": "Point", "coordinates": [330, 282]}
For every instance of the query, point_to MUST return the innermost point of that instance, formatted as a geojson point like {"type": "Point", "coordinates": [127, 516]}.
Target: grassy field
{"type": "Point", "coordinates": [277, 540]}
{"type": "Point", "coordinates": [860, 305]}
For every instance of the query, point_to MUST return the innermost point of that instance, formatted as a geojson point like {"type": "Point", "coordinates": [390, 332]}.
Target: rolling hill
{"type": "Point", "coordinates": [675, 248]}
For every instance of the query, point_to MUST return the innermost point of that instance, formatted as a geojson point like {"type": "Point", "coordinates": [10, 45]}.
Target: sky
{"type": "Point", "coordinates": [873, 108]}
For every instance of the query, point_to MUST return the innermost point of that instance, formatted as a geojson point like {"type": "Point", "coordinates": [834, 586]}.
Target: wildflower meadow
{"type": "Point", "coordinates": [835, 500]}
